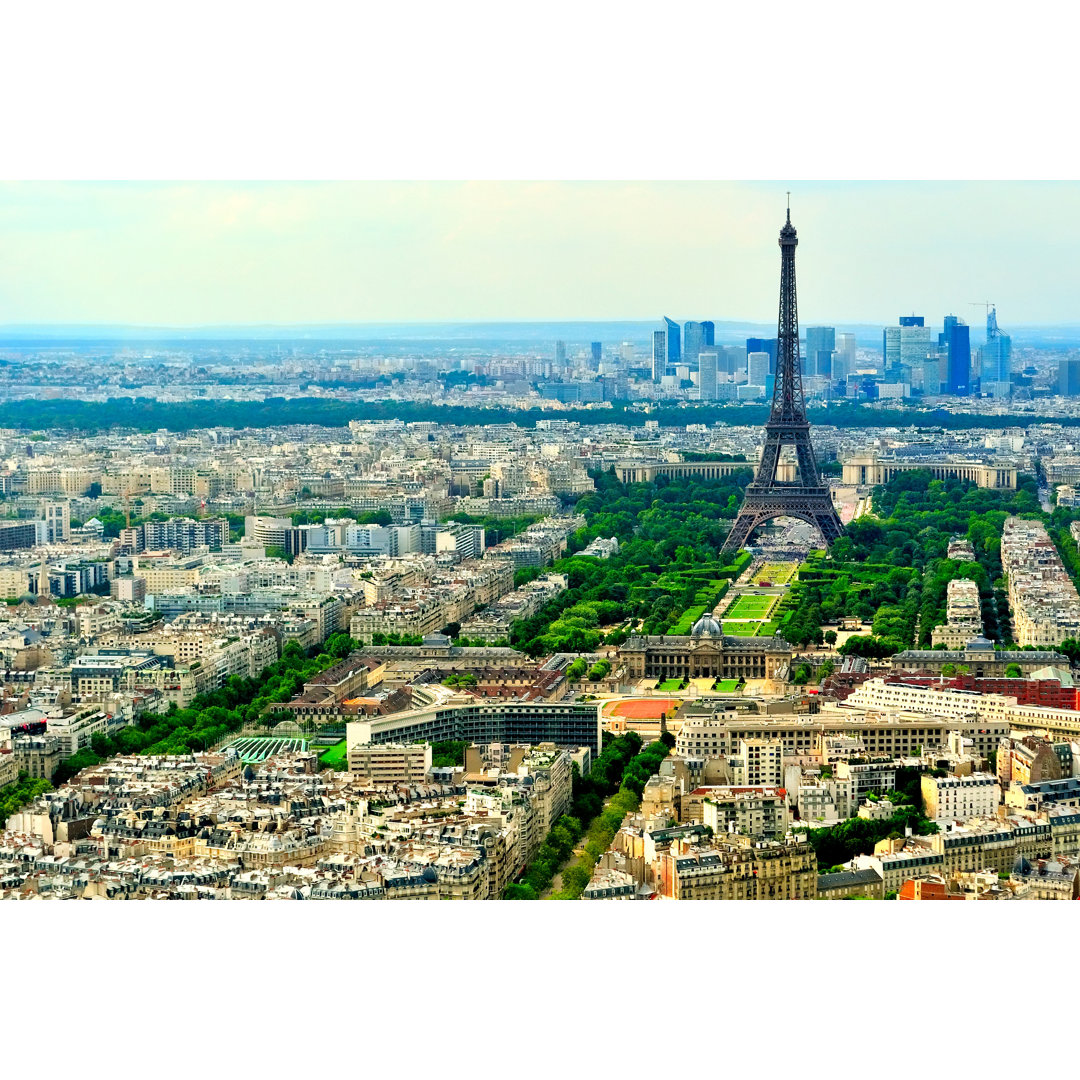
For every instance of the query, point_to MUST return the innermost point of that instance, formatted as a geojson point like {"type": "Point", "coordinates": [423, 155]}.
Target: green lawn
{"type": "Point", "coordinates": [727, 686]}
{"type": "Point", "coordinates": [334, 755]}
{"type": "Point", "coordinates": [741, 629]}
{"type": "Point", "coordinates": [751, 607]}
{"type": "Point", "coordinates": [778, 573]}
{"type": "Point", "coordinates": [670, 684]}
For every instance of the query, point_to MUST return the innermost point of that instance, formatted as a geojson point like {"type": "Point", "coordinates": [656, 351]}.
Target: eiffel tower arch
{"type": "Point", "coordinates": [767, 497]}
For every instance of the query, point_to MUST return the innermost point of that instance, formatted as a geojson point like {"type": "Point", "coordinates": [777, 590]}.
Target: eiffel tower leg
{"type": "Point", "coordinates": [829, 525]}
{"type": "Point", "coordinates": [804, 451]}
{"type": "Point", "coordinates": [744, 525]}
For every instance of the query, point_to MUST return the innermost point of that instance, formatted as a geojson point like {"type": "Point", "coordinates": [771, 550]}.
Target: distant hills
{"type": "Point", "coordinates": [460, 335]}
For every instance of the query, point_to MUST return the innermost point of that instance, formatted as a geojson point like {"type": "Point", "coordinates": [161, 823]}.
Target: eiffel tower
{"type": "Point", "coordinates": [766, 496]}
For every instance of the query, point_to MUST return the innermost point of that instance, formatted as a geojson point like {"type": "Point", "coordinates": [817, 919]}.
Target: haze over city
{"type": "Point", "coordinates": [184, 254]}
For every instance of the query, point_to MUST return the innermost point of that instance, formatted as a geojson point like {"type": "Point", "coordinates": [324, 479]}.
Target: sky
{"type": "Point", "coordinates": [199, 254]}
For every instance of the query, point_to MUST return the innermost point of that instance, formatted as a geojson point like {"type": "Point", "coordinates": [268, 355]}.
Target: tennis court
{"type": "Point", "coordinates": [643, 708]}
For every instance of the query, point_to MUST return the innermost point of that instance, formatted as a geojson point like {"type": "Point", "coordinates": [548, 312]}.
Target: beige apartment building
{"type": "Point", "coordinates": [739, 868]}
{"type": "Point", "coordinates": [390, 763]}
{"type": "Point", "coordinates": [961, 797]}
{"type": "Point", "coordinates": [760, 812]}
{"type": "Point", "coordinates": [963, 615]}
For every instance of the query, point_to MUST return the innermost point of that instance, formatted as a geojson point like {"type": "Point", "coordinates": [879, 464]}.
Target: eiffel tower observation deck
{"type": "Point", "coordinates": [766, 498]}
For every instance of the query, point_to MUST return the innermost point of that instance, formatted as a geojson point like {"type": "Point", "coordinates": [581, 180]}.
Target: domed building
{"type": "Point", "coordinates": [706, 652]}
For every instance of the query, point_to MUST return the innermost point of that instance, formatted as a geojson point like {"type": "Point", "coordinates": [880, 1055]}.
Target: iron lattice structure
{"type": "Point", "coordinates": [767, 497]}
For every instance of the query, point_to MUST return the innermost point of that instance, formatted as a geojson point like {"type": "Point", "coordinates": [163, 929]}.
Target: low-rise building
{"type": "Point", "coordinates": [757, 811]}
{"type": "Point", "coordinates": [851, 884]}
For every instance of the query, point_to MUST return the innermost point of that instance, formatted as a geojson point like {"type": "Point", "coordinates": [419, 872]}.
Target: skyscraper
{"type": "Point", "coordinates": [560, 354]}
{"type": "Point", "coordinates": [930, 379]}
{"type": "Point", "coordinates": [595, 346]}
{"type": "Point", "coordinates": [693, 342]}
{"type": "Point", "coordinates": [996, 353]}
{"type": "Point", "coordinates": [659, 354]}
{"type": "Point", "coordinates": [709, 330]}
{"type": "Point", "coordinates": [674, 341]}
{"type": "Point", "coordinates": [844, 361]}
{"type": "Point", "coordinates": [914, 344]}
{"type": "Point", "coordinates": [958, 344]}
{"type": "Point", "coordinates": [890, 352]}
{"type": "Point", "coordinates": [820, 345]}
{"type": "Point", "coordinates": [756, 344]}
{"type": "Point", "coordinates": [1069, 377]}
{"type": "Point", "coordinates": [733, 359]}
{"type": "Point", "coordinates": [757, 368]}
{"type": "Point", "coordinates": [707, 365]}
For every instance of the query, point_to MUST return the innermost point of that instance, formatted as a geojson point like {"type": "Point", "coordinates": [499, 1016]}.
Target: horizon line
{"type": "Point", "coordinates": [57, 326]}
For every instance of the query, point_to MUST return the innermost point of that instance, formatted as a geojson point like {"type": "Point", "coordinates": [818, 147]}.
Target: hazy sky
{"type": "Point", "coordinates": [211, 253]}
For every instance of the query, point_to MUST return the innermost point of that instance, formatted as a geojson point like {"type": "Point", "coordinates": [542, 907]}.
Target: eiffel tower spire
{"type": "Point", "coordinates": [767, 497]}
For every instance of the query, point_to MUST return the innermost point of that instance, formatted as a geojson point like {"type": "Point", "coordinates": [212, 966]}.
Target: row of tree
{"type": "Point", "coordinates": [149, 414]}
{"type": "Point", "coordinates": [620, 771]}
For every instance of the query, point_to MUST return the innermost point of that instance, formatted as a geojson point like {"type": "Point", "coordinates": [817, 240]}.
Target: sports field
{"type": "Point", "coordinates": [779, 573]}
{"type": "Point", "coordinates": [751, 607]}
{"type": "Point", "coordinates": [741, 629]}
{"type": "Point", "coordinates": [642, 708]}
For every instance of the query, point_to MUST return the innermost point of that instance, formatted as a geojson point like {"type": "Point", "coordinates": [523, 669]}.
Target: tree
{"type": "Point", "coordinates": [830, 637]}
{"type": "Point", "coordinates": [574, 880]}
{"type": "Point", "coordinates": [515, 891]}
{"type": "Point", "coordinates": [1012, 671]}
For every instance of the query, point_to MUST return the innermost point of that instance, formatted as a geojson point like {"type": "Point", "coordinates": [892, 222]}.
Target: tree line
{"type": "Point", "coordinates": [620, 773]}
{"type": "Point", "coordinates": [149, 414]}
{"type": "Point", "coordinates": [214, 715]}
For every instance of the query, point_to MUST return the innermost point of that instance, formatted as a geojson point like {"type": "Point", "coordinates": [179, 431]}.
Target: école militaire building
{"type": "Point", "coordinates": [705, 653]}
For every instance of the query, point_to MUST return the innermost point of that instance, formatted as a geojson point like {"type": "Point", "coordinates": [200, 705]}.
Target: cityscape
{"type": "Point", "coordinates": [659, 609]}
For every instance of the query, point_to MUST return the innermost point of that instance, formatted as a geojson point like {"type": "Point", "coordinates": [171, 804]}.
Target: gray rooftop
{"type": "Point", "coordinates": [845, 879]}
